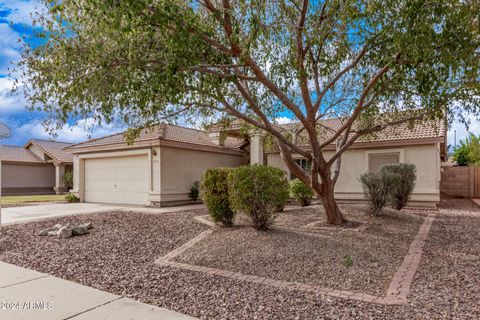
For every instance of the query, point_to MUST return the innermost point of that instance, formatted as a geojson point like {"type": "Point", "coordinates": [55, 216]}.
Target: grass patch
{"type": "Point", "coordinates": [33, 198]}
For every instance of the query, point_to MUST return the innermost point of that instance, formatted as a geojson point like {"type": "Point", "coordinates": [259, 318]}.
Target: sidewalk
{"type": "Point", "coordinates": [28, 294]}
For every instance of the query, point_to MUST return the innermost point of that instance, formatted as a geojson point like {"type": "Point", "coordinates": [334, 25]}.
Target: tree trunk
{"type": "Point", "coordinates": [334, 215]}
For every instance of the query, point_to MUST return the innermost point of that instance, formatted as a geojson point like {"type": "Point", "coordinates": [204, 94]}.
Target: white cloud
{"type": "Point", "coordinates": [21, 11]}
{"type": "Point", "coordinates": [283, 120]}
{"type": "Point", "coordinates": [9, 48]}
{"type": "Point", "coordinates": [83, 130]}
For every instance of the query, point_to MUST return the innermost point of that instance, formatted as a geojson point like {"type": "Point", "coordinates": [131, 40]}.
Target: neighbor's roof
{"type": "Point", "coordinates": [161, 132]}
{"type": "Point", "coordinates": [53, 149]}
{"type": "Point", "coordinates": [18, 154]}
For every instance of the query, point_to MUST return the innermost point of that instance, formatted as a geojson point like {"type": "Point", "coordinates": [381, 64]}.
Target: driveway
{"type": "Point", "coordinates": [31, 213]}
{"type": "Point", "coordinates": [24, 214]}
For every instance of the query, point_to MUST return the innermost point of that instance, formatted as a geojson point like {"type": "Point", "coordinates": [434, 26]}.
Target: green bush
{"type": "Point", "coordinates": [301, 192]}
{"type": "Point", "coordinates": [194, 191]}
{"type": "Point", "coordinates": [68, 178]}
{"type": "Point", "coordinates": [258, 191]}
{"type": "Point", "coordinates": [214, 192]}
{"type": "Point", "coordinates": [70, 197]}
{"type": "Point", "coordinates": [400, 193]}
{"type": "Point", "coordinates": [468, 153]}
{"type": "Point", "coordinates": [377, 188]}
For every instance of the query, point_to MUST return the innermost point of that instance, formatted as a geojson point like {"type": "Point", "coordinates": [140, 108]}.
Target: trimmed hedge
{"type": "Point", "coordinates": [301, 192]}
{"type": "Point", "coordinates": [258, 191]}
{"type": "Point", "coordinates": [214, 192]}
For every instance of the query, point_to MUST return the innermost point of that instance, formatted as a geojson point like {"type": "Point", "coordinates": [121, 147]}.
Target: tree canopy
{"type": "Point", "coordinates": [468, 153]}
{"type": "Point", "coordinates": [374, 64]}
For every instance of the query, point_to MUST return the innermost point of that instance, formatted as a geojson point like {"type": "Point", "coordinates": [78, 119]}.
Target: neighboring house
{"type": "Point", "coordinates": [162, 163]}
{"type": "Point", "coordinates": [36, 168]}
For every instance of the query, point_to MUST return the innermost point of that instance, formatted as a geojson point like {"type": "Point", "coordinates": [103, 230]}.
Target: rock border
{"type": "Point", "coordinates": [397, 292]}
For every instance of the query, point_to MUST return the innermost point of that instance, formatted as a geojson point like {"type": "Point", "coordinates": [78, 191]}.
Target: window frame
{"type": "Point", "coordinates": [367, 153]}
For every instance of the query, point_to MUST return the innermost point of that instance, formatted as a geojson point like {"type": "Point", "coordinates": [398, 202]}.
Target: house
{"type": "Point", "coordinates": [158, 168]}
{"type": "Point", "coordinates": [36, 168]}
{"type": "Point", "coordinates": [163, 162]}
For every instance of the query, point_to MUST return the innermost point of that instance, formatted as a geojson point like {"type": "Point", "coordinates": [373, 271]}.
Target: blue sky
{"type": "Point", "coordinates": [15, 23]}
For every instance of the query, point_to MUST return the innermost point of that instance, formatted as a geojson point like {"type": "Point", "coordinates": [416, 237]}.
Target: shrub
{"type": "Point", "coordinates": [258, 191]}
{"type": "Point", "coordinates": [400, 193]}
{"type": "Point", "coordinates": [194, 191]}
{"type": "Point", "coordinates": [377, 188]}
{"type": "Point", "coordinates": [70, 197]}
{"type": "Point", "coordinates": [215, 195]}
{"type": "Point", "coordinates": [68, 178]}
{"type": "Point", "coordinates": [301, 192]}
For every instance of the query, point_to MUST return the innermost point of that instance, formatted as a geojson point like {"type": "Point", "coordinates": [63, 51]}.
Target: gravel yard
{"type": "Point", "coordinates": [362, 262]}
{"type": "Point", "coordinates": [118, 257]}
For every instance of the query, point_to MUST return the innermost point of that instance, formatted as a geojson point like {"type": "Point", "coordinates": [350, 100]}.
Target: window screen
{"type": "Point", "coordinates": [377, 160]}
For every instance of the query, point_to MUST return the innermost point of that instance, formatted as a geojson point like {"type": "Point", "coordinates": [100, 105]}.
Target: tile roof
{"type": "Point", "coordinates": [425, 130]}
{"type": "Point", "coordinates": [53, 149]}
{"type": "Point", "coordinates": [18, 154]}
{"type": "Point", "coordinates": [163, 132]}
{"type": "Point", "coordinates": [192, 136]}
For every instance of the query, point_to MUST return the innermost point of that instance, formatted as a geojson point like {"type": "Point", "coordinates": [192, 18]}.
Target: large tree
{"type": "Point", "coordinates": [374, 64]}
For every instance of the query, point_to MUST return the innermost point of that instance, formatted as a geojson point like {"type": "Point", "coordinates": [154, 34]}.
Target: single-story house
{"type": "Point", "coordinates": [159, 167]}
{"type": "Point", "coordinates": [36, 168]}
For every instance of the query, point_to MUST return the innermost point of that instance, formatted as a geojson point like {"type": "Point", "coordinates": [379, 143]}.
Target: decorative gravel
{"type": "Point", "coordinates": [361, 262]}
{"type": "Point", "coordinates": [118, 257]}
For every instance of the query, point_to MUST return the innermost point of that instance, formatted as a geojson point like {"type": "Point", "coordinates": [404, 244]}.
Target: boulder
{"type": "Point", "coordinates": [64, 232]}
{"type": "Point", "coordinates": [87, 225]}
{"type": "Point", "coordinates": [45, 232]}
{"type": "Point", "coordinates": [67, 230]}
{"type": "Point", "coordinates": [79, 230]}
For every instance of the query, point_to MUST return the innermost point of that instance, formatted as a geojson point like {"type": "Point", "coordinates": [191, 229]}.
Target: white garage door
{"type": "Point", "coordinates": [117, 180]}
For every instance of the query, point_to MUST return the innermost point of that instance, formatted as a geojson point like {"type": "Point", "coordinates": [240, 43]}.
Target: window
{"type": "Point", "coordinates": [378, 160]}
{"type": "Point", "coordinates": [305, 164]}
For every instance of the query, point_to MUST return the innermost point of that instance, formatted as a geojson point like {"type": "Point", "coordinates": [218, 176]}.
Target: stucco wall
{"type": "Point", "coordinates": [355, 162]}
{"type": "Point", "coordinates": [181, 167]}
{"type": "Point", "coordinates": [27, 179]}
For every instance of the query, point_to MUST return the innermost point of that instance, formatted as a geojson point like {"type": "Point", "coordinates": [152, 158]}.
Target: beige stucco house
{"type": "Point", "coordinates": [36, 168]}
{"type": "Point", "coordinates": [163, 162]}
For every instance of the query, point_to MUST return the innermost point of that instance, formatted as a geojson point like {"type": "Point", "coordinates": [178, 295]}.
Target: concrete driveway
{"type": "Point", "coordinates": [44, 211]}
{"type": "Point", "coordinates": [30, 213]}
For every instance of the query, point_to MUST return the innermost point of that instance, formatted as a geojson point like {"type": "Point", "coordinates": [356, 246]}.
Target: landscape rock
{"type": "Point", "coordinates": [64, 232]}
{"type": "Point", "coordinates": [45, 232]}
{"type": "Point", "coordinates": [79, 230]}
{"type": "Point", "coordinates": [87, 225]}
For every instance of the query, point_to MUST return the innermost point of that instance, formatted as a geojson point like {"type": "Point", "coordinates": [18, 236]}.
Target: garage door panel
{"type": "Point", "coordinates": [117, 180]}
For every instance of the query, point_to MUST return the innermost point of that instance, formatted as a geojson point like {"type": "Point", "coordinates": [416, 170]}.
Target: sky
{"type": "Point", "coordinates": [15, 23]}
